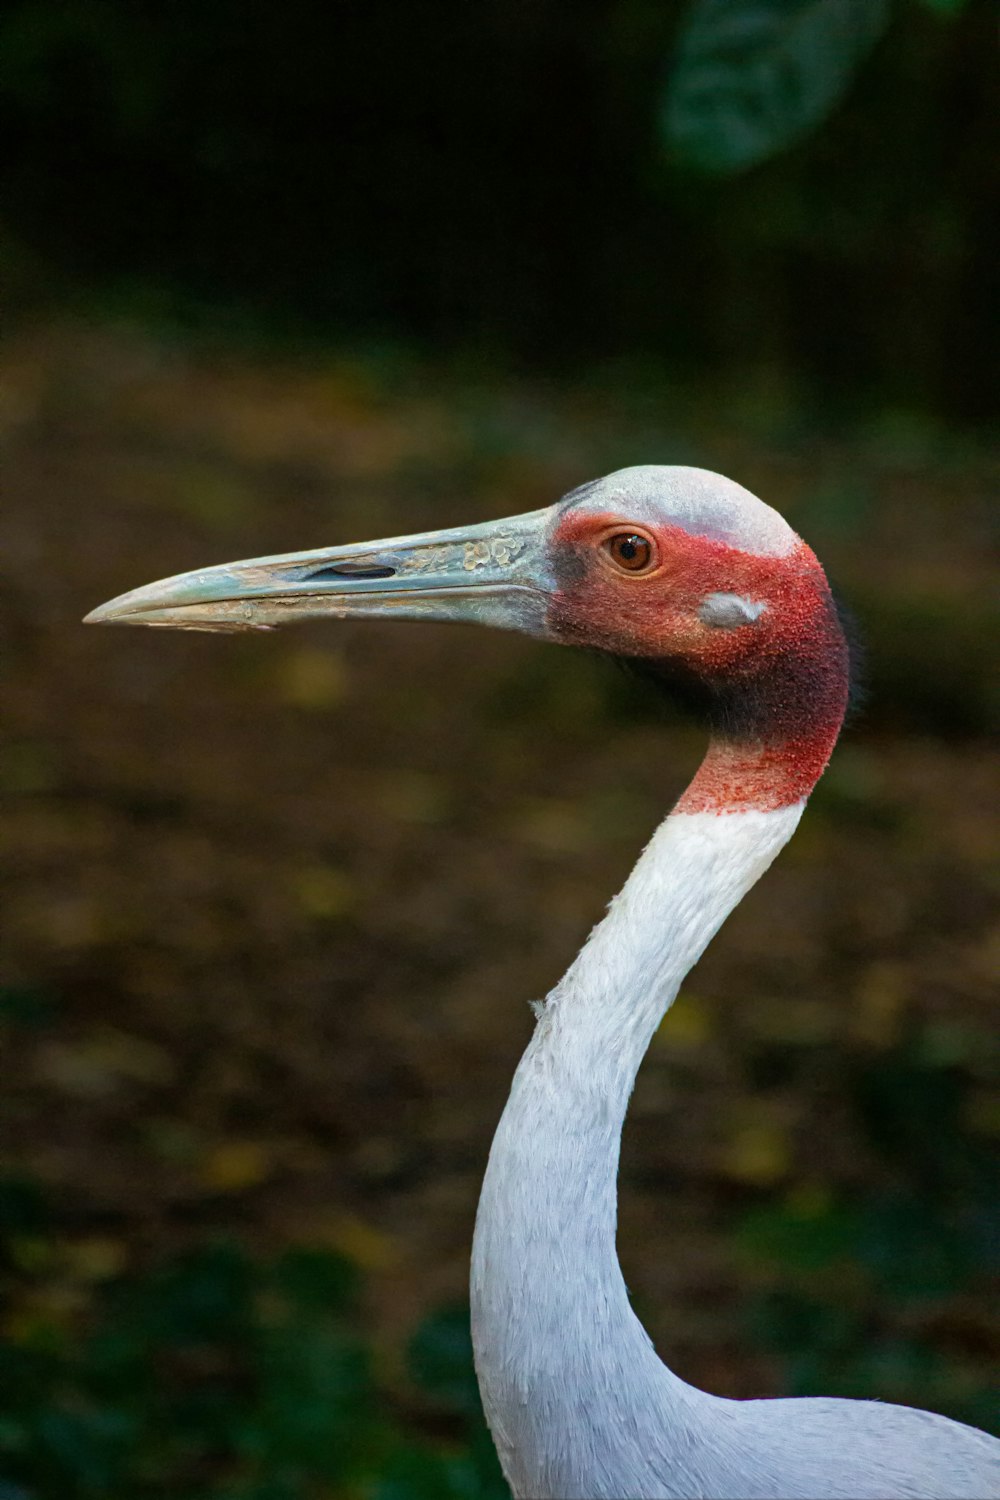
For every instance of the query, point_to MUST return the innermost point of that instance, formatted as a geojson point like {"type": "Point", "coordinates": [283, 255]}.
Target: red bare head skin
{"type": "Point", "coordinates": [774, 685]}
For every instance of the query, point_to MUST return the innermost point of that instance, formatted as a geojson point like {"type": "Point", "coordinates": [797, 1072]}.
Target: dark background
{"type": "Point", "coordinates": [492, 178]}
{"type": "Point", "coordinates": [284, 276]}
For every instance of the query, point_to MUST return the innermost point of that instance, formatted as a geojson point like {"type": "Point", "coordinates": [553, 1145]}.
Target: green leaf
{"type": "Point", "coordinates": [27, 1006]}
{"type": "Point", "coordinates": [752, 76]}
{"type": "Point", "coordinates": [803, 1239]}
{"type": "Point", "coordinates": [947, 8]}
{"type": "Point", "coordinates": [23, 1209]}
{"type": "Point", "coordinates": [204, 1296]}
{"type": "Point", "coordinates": [316, 1280]}
{"type": "Point", "coordinates": [416, 1473]}
{"type": "Point", "coordinates": [440, 1360]}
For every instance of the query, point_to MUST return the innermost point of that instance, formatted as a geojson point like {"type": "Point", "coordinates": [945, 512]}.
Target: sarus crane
{"type": "Point", "coordinates": [689, 575]}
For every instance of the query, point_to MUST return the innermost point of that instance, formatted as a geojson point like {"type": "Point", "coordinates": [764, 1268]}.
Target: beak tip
{"type": "Point", "coordinates": [104, 614]}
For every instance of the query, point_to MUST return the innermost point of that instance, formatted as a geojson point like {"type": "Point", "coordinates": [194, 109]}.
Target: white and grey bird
{"type": "Point", "coordinates": [710, 588]}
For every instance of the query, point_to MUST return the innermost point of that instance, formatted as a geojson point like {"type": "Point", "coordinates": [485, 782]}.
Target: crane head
{"type": "Point", "coordinates": [676, 568]}
{"type": "Point", "coordinates": [629, 563]}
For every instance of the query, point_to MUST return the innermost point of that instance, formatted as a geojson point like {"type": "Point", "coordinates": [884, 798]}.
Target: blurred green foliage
{"type": "Point", "coordinates": [493, 179]}
{"type": "Point", "coordinates": [218, 1374]}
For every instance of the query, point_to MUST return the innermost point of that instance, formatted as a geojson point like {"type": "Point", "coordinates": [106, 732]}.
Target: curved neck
{"type": "Point", "coordinates": [553, 1331]}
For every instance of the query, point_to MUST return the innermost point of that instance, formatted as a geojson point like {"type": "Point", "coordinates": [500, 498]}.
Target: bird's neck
{"type": "Point", "coordinates": [554, 1334]}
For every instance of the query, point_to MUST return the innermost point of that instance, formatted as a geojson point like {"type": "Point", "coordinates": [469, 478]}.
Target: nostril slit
{"type": "Point", "coordinates": [351, 570]}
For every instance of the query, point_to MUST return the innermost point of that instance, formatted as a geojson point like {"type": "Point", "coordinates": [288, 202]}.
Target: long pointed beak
{"type": "Point", "coordinates": [495, 573]}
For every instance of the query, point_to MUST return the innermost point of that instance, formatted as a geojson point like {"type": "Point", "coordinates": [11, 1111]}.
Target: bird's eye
{"type": "Point", "coordinates": [629, 550]}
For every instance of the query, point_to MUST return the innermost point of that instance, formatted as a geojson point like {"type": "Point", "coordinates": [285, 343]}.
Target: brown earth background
{"type": "Point", "coordinates": [273, 906]}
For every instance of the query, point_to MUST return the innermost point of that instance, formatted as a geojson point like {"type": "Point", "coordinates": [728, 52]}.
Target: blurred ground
{"type": "Point", "coordinates": [273, 906]}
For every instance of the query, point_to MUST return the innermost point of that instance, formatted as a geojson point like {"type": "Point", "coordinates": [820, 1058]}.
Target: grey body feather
{"type": "Point", "coordinates": [579, 1404]}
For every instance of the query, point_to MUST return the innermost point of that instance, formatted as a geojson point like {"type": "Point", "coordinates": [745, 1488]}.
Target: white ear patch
{"type": "Point", "coordinates": [727, 611]}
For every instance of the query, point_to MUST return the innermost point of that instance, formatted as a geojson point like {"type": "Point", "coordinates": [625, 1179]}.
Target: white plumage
{"type": "Point", "coordinates": [578, 1401]}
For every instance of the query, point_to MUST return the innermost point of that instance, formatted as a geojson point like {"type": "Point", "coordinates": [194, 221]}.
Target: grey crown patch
{"type": "Point", "coordinates": [727, 611]}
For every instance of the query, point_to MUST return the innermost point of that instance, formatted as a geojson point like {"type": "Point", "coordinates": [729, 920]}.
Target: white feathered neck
{"type": "Point", "coordinates": [576, 1398]}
